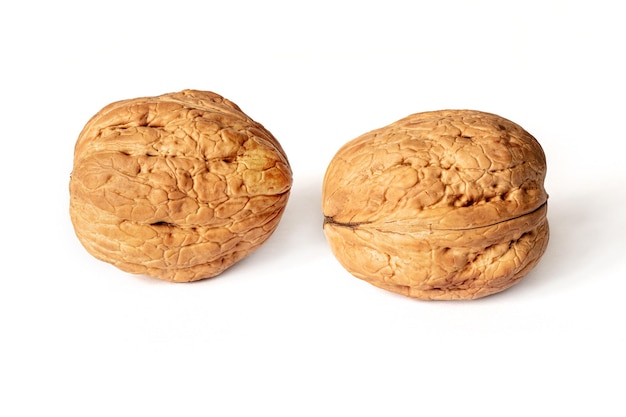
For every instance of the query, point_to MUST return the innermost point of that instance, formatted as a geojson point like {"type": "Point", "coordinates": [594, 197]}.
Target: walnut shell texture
{"type": "Point", "coordinates": [178, 187]}
{"type": "Point", "coordinates": [439, 205]}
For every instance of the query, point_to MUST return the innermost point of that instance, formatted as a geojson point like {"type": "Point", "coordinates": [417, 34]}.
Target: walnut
{"type": "Point", "coordinates": [439, 205]}
{"type": "Point", "coordinates": [177, 187]}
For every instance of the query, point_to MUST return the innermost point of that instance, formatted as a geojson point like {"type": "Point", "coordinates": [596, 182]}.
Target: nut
{"type": "Point", "coordinates": [177, 187]}
{"type": "Point", "coordinates": [439, 205]}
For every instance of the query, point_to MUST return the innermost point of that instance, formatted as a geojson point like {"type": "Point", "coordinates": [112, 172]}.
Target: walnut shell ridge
{"type": "Point", "coordinates": [439, 205]}
{"type": "Point", "coordinates": [178, 187]}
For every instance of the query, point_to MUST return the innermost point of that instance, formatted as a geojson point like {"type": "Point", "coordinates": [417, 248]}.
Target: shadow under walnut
{"type": "Point", "coordinates": [178, 187]}
{"type": "Point", "coordinates": [439, 205]}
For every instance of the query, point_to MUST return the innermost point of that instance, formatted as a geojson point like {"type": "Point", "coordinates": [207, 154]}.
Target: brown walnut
{"type": "Point", "coordinates": [439, 205]}
{"type": "Point", "coordinates": [177, 187]}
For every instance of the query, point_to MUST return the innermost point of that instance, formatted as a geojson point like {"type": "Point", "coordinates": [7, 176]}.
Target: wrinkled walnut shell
{"type": "Point", "coordinates": [177, 187]}
{"type": "Point", "coordinates": [439, 205]}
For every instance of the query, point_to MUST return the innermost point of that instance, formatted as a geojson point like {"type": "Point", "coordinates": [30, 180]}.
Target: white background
{"type": "Point", "coordinates": [287, 331]}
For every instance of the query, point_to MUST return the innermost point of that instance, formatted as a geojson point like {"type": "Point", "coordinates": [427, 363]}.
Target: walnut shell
{"type": "Point", "coordinates": [439, 205]}
{"type": "Point", "coordinates": [177, 187]}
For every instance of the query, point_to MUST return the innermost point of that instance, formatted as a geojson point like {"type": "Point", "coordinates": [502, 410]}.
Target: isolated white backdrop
{"type": "Point", "coordinates": [287, 331]}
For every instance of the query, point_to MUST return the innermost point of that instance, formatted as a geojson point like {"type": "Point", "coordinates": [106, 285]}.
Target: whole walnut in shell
{"type": "Point", "coordinates": [439, 205]}
{"type": "Point", "coordinates": [177, 187]}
